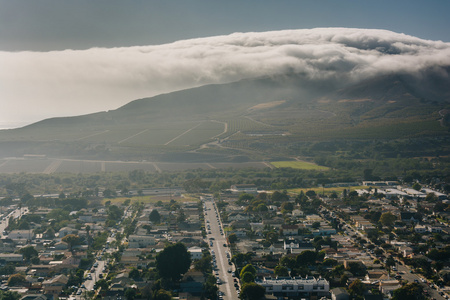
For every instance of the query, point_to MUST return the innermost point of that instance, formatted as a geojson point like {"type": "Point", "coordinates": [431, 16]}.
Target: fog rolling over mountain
{"type": "Point", "coordinates": [38, 85]}
{"type": "Point", "coordinates": [248, 96]}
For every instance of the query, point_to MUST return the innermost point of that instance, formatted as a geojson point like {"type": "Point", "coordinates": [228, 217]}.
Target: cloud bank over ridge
{"type": "Point", "coordinates": [36, 85]}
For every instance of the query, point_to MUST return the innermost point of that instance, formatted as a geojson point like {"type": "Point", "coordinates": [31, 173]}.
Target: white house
{"type": "Point", "coordinates": [296, 287]}
{"type": "Point", "coordinates": [420, 229]}
{"type": "Point", "coordinates": [140, 241]}
{"type": "Point", "coordinates": [10, 257]}
{"type": "Point", "coordinates": [196, 253]}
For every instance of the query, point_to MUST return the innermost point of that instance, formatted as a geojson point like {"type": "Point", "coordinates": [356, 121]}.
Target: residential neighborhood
{"type": "Point", "coordinates": [363, 243]}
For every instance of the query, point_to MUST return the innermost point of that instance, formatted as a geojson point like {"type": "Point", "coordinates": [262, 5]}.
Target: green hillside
{"type": "Point", "coordinates": [260, 119]}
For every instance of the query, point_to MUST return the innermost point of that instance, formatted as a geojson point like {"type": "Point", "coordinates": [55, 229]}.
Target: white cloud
{"type": "Point", "coordinates": [36, 85]}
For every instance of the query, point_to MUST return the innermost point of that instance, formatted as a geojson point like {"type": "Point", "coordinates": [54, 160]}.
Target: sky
{"type": "Point", "coordinates": [60, 58]}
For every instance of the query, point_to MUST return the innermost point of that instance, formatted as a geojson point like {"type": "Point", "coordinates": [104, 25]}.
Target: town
{"type": "Point", "coordinates": [379, 240]}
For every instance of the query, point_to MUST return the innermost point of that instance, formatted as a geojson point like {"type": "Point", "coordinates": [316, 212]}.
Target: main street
{"type": "Point", "coordinates": [217, 238]}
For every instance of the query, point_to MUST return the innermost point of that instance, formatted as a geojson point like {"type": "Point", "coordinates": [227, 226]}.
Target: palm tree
{"type": "Point", "coordinates": [88, 229]}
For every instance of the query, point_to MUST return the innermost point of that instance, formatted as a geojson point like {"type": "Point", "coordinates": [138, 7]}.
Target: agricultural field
{"type": "Point", "coordinates": [23, 165]}
{"type": "Point", "coordinates": [303, 165]}
{"type": "Point", "coordinates": [50, 165]}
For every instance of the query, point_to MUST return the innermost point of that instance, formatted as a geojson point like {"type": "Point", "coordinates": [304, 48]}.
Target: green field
{"type": "Point", "coordinates": [148, 199]}
{"type": "Point", "coordinates": [298, 165]}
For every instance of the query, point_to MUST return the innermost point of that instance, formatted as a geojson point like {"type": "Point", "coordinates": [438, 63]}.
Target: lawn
{"type": "Point", "coordinates": [298, 165]}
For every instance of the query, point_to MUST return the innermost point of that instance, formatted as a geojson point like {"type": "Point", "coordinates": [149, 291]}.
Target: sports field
{"type": "Point", "coordinates": [298, 165]}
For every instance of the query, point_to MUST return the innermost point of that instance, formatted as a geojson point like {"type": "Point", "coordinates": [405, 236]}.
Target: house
{"type": "Point", "coordinates": [240, 224]}
{"type": "Point", "coordinates": [40, 270]}
{"type": "Point", "coordinates": [434, 229]}
{"type": "Point", "coordinates": [244, 188]}
{"type": "Point", "coordinates": [192, 282]}
{"type": "Point", "coordinates": [273, 223]}
{"type": "Point", "coordinates": [406, 251]}
{"type": "Point", "coordinates": [55, 285]}
{"type": "Point", "coordinates": [10, 257]}
{"type": "Point", "coordinates": [420, 229]}
{"type": "Point", "coordinates": [65, 231]}
{"type": "Point", "coordinates": [289, 229]}
{"type": "Point", "coordinates": [20, 235]}
{"type": "Point", "coordinates": [257, 227]}
{"type": "Point", "coordinates": [61, 246]}
{"type": "Point", "coordinates": [34, 297]}
{"type": "Point", "coordinates": [140, 241]}
{"type": "Point", "coordinates": [339, 294]}
{"type": "Point", "coordinates": [297, 213]}
{"type": "Point", "coordinates": [196, 253]}
{"type": "Point", "coordinates": [387, 286]}
{"type": "Point", "coordinates": [238, 217]}
{"type": "Point", "coordinates": [409, 217]}
{"type": "Point", "coordinates": [295, 287]}
{"type": "Point", "coordinates": [297, 246]}
{"type": "Point", "coordinates": [323, 231]}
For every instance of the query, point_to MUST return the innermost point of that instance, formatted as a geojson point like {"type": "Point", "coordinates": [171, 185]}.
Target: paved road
{"type": "Point", "coordinates": [15, 214]}
{"type": "Point", "coordinates": [212, 218]}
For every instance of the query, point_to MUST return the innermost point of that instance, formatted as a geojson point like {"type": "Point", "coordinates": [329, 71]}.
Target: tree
{"type": "Point", "coordinates": [305, 258]}
{"type": "Point", "coordinates": [155, 217]}
{"type": "Point", "coordinates": [356, 268]}
{"type": "Point", "coordinates": [288, 262]}
{"type": "Point", "coordinates": [417, 186]}
{"type": "Point", "coordinates": [387, 219]}
{"type": "Point", "coordinates": [281, 271]}
{"type": "Point", "coordinates": [162, 295]}
{"type": "Point", "coordinates": [412, 291]}
{"type": "Point", "coordinates": [287, 206]}
{"type": "Point", "coordinates": [102, 283]}
{"type": "Point", "coordinates": [130, 294]}
{"type": "Point", "coordinates": [248, 268]}
{"type": "Point", "coordinates": [390, 262]}
{"type": "Point", "coordinates": [203, 264]}
{"type": "Point", "coordinates": [173, 261]}
{"type": "Point", "coordinates": [8, 295]}
{"type": "Point", "coordinates": [357, 289]}
{"type": "Point", "coordinates": [210, 287]}
{"type": "Point", "coordinates": [247, 277]}
{"type": "Point", "coordinates": [16, 279]}
{"type": "Point", "coordinates": [272, 237]}
{"type": "Point", "coordinates": [134, 274]}
{"type": "Point", "coordinates": [88, 229]}
{"type": "Point", "coordinates": [311, 194]}
{"type": "Point", "coordinates": [28, 252]}
{"type": "Point", "coordinates": [72, 240]}
{"type": "Point", "coordinates": [252, 291]}
{"type": "Point", "coordinates": [232, 238]}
